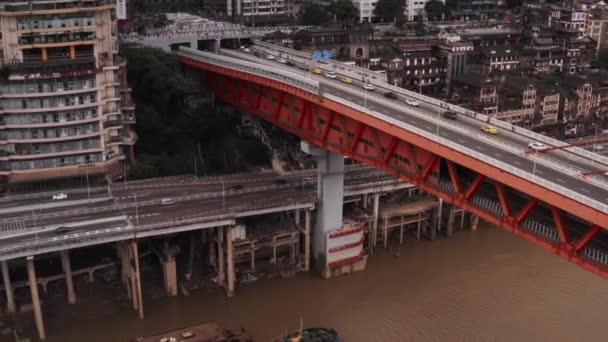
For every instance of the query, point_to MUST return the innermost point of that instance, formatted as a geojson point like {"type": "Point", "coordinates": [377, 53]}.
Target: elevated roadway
{"type": "Point", "coordinates": [493, 176]}
{"type": "Point", "coordinates": [137, 211]}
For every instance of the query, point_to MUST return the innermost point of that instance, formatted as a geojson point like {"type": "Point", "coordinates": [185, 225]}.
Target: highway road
{"type": "Point", "coordinates": [427, 117]}
{"type": "Point", "coordinates": [144, 204]}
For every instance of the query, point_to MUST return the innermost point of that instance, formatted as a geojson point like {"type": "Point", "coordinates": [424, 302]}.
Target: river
{"type": "Point", "coordinates": [483, 285]}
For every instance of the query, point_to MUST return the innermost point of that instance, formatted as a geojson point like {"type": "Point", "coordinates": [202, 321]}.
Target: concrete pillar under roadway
{"type": "Point", "coordinates": [230, 262]}
{"type": "Point", "coordinates": [169, 272]}
{"type": "Point", "coordinates": [307, 241]}
{"type": "Point", "coordinates": [8, 288]}
{"type": "Point", "coordinates": [137, 276]}
{"type": "Point", "coordinates": [67, 271]}
{"type": "Point", "coordinates": [330, 197]}
{"type": "Point", "coordinates": [374, 234]}
{"type": "Point", "coordinates": [31, 274]}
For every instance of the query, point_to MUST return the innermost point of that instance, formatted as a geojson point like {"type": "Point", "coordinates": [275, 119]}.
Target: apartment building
{"type": "Point", "coordinates": [250, 8]}
{"type": "Point", "coordinates": [65, 108]}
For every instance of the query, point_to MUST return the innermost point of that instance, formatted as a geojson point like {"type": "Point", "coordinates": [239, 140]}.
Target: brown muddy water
{"type": "Point", "coordinates": [483, 285]}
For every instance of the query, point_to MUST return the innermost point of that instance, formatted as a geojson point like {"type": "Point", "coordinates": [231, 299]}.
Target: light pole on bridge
{"type": "Point", "coordinates": [223, 194]}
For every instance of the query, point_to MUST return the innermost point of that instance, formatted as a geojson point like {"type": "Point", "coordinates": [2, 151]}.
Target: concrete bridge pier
{"type": "Point", "coordinates": [31, 275]}
{"type": "Point", "coordinates": [330, 197]}
{"type": "Point", "coordinates": [169, 270]}
{"type": "Point", "coordinates": [67, 270]}
{"type": "Point", "coordinates": [230, 270]}
{"type": "Point", "coordinates": [8, 288]}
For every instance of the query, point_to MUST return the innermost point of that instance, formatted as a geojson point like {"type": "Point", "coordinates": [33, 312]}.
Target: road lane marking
{"type": "Point", "coordinates": [516, 162]}
{"type": "Point", "coordinates": [460, 140]}
{"type": "Point", "coordinates": [480, 148]}
{"type": "Point", "coordinates": [585, 190]}
{"type": "Point", "coordinates": [498, 155]}
{"type": "Point", "coordinates": [560, 180]}
{"type": "Point", "coordinates": [539, 172]}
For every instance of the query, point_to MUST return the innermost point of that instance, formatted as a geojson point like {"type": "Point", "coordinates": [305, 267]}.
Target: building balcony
{"type": "Point", "coordinates": [52, 68]}
{"type": "Point", "coordinates": [131, 138]}
{"type": "Point", "coordinates": [113, 123]}
{"type": "Point", "coordinates": [115, 140]}
{"type": "Point", "coordinates": [49, 94]}
{"type": "Point", "coordinates": [128, 117]}
{"type": "Point", "coordinates": [25, 155]}
{"type": "Point", "coordinates": [47, 109]}
{"type": "Point", "coordinates": [51, 140]}
{"type": "Point", "coordinates": [61, 123]}
{"type": "Point", "coordinates": [48, 7]}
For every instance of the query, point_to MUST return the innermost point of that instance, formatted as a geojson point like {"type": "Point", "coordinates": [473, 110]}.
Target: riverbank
{"type": "Point", "coordinates": [483, 285]}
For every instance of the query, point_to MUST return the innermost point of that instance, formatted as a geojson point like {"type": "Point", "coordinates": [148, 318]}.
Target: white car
{"type": "Point", "coordinates": [246, 50]}
{"type": "Point", "coordinates": [282, 60]}
{"type": "Point", "coordinates": [412, 103]}
{"type": "Point", "coordinates": [536, 146]}
{"type": "Point", "coordinates": [331, 74]}
{"type": "Point", "coordinates": [269, 57]}
{"type": "Point", "coordinates": [368, 86]}
{"type": "Point", "coordinates": [59, 197]}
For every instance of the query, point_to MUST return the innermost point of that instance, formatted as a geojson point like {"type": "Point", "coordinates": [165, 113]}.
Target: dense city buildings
{"type": "Point", "coordinates": [65, 106]}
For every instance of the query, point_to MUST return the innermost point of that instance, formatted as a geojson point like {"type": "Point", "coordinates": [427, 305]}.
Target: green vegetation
{"type": "Point", "coordinates": [343, 10]}
{"type": "Point", "coordinates": [176, 125]}
{"type": "Point", "coordinates": [315, 15]}
{"type": "Point", "coordinates": [602, 58]}
{"type": "Point", "coordinates": [434, 9]}
{"type": "Point", "coordinates": [389, 10]}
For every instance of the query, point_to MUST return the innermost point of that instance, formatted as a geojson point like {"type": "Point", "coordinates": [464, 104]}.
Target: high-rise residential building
{"type": "Point", "coordinates": [249, 8]}
{"type": "Point", "coordinates": [65, 107]}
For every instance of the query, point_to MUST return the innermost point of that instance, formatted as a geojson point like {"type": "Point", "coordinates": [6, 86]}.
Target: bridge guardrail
{"type": "Point", "coordinates": [454, 126]}
{"type": "Point", "coordinates": [482, 157]}
{"type": "Point", "coordinates": [348, 70]}
{"type": "Point", "coordinates": [290, 77]}
{"type": "Point", "coordinates": [587, 156]}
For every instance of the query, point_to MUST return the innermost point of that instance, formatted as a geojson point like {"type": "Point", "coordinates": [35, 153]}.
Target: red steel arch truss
{"type": "Point", "coordinates": [498, 197]}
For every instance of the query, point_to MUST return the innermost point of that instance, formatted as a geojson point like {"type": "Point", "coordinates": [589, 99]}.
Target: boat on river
{"type": "Point", "coordinates": [202, 332]}
{"type": "Point", "coordinates": [311, 335]}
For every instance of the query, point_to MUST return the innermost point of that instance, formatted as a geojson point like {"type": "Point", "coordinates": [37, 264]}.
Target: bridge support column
{"type": "Point", "coordinates": [374, 233]}
{"type": "Point", "coordinates": [137, 277]}
{"type": "Point", "coordinates": [212, 249]}
{"type": "Point", "coordinates": [221, 275]}
{"type": "Point", "coordinates": [297, 216]}
{"type": "Point", "coordinates": [230, 263]}
{"type": "Point", "coordinates": [330, 197]}
{"type": "Point", "coordinates": [125, 268]}
{"type": "Point", "coordinates": [31, 275]}
{"type": "Point", "coordinates": [474, 222]}
{"type": "Point", "coordinates": [169, 272]}
{"type": "Point", "coordinates": [364, 204]}
{"type": "Point", "coordinates": [67, 270]}
{"type": "Point", "coordinates": [8, 288]}
{"type": "Point", "coordinates": [451, 221]}
{"type": "Point", "coordinates": [307, 241]}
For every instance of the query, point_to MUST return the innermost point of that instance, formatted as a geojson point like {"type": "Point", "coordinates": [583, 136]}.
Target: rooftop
{"type": "Point", "coordinates": [477, 80]}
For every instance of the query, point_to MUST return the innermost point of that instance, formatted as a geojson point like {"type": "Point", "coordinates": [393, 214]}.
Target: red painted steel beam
{"type": "Point", "coordinates": [506, 208]}
{"type": "Point", "coordinates": [525, 210]}
{"type": "Point", "coordinates": [391, 148]}
{"type": "Point", "coordinates": [585, 238]}
{"type": "Point", "coordinates": [355, 141]}
{"type": "Point", "coordinates": [327, 128]}
{"type": "Point", "coordinates": [454, 177]}
{"type": "Point", "coordinates": [474, 186]}
{"type": "Point", "coordinates": [525, 185]}
{"type": "Point", "coordinates": [260, 95]}
{"type": "Point", "coordinates": [559, 226]}
{"type": "Point", "coordinates": [277, 111]}
{"type": "Point", "coordinates": [428, 167]}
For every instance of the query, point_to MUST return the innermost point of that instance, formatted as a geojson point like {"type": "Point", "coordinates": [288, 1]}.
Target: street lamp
{"type": "Point", "coordinates": [136, 211]}
{"type": "Point", "coordinates": [223, 193]}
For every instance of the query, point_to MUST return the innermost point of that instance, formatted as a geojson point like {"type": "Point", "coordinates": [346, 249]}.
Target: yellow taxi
{"type": "Point", "coordinates": [316, 71]}
{"type": "Point", "coordinates": [489, 129]}
{"type": "Point", "coordinates": [347, 80]}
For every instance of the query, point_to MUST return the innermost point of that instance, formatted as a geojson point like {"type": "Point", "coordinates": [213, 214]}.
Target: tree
{"type": "Point", "coordinates": [389, 10]}
{"type": "Point", "coordinates": [434, 9]}
{"type": "Point", "coordinates": [343, 10]}
{"type": "Point", "coordinates": [175, 122]}
{"type": "Point", "coordinates": [602, 58]}
{"type": "Point", "coordinates": [314, 15]}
